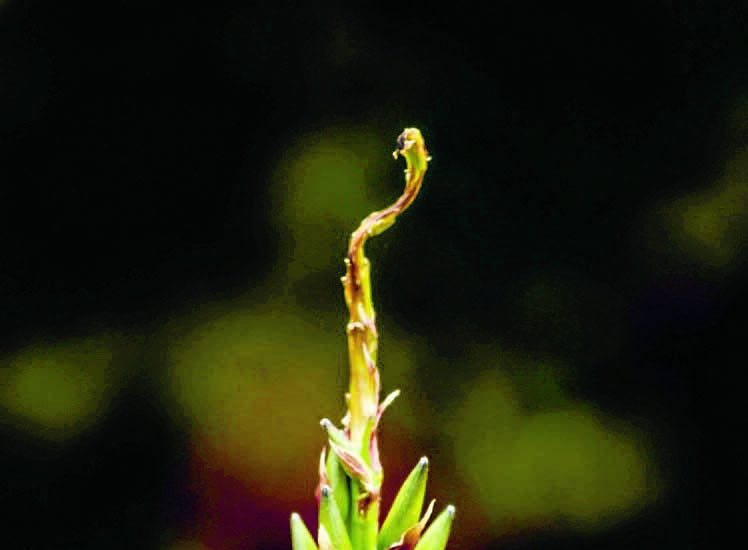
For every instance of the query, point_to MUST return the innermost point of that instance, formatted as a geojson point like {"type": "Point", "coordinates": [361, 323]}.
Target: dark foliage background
{"type": "Point", "coordinates": [138, 143]}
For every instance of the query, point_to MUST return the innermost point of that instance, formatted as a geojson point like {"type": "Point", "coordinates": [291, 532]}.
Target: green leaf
{"type": "Point", "coordinates": [331, 522]}
{"type": "Point", "coordinates": [435, 537]}
{"type": "Point", "coordinates": [406, 509]}
{"type": "Point", "coordinates": [301, 538]}
{"type": "Point", "coordinates": [339, 484]}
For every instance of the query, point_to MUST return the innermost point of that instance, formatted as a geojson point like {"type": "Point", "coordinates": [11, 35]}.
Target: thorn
{"type": "Point", "coordinates": [423, 463]}
{"type": "Point", "coordinates": [451, 510]}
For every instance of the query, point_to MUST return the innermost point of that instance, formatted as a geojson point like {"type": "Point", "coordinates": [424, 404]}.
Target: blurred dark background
{"type": "Point", "coordinates": [561, 303]}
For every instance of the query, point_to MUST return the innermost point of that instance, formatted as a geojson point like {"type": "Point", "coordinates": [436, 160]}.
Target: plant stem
{"type": "Point", "coordinates": [363, 396]}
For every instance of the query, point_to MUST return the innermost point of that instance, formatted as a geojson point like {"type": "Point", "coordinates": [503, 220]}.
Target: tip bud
{"type": "Point", "coordinates": [451, 510]}
{"type": "Point", "coordinates": [423, 463]}
{"type": "Point", "coordinates": [408, 138]}
{"type": "Point", "coordinates": [411, 145]}
{"type": "Point", "coordinates": [325, 491]}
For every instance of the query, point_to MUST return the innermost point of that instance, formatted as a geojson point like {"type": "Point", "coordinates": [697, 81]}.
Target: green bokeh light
{"type": "Point", "coordinates": [326, 183]}
{"type": "Point", "coordinates": [564, 468]}
{"type": "Point", "coordinates": [711, 226]}
{"type": "Point", "coordinates": [707, 228]}
{"type": "Point", "coordinates": [56, 390]}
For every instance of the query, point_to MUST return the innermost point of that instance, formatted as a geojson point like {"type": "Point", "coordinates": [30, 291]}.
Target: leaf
{"type": "Point", "coordinates": [331, 522]}
{"type": "Point", "coordinates": [324, 539]}
{"type": "Point", "coordinates": [406, 509]}
{"type": "Point", "coordinates": [435, 537]}
{"type": "Point", "coordinates": [386, 403]}
{"type": "Point", "coordinates": [301, 538]}
{"type": "Point", "coordinates": [338, 481]}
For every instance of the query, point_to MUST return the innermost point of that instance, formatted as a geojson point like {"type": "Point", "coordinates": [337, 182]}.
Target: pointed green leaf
{"type": "Point", "coordinates": [339, 483]}
{"type": "Point", "coordinates": [435, 537]}
{"type": "Point", "coordinates": [301, 538]}
{"type": "Point", "coordinates": [406, 509]}
{"type": "Point", "coordinates": [331, 521]}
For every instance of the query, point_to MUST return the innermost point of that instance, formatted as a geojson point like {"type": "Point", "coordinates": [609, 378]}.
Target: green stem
{"type": "Point", "coordinates": [364, 519]}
